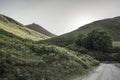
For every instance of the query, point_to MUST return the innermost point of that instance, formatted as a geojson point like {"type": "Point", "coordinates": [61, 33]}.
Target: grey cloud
{"type": "Point", "coordinates": [60, 16]}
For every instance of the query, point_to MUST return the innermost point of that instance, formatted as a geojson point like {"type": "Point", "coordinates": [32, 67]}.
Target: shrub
{"type": "Point", "coordinates": [98, 40]}
{"type": "Point", "coordinates": [79, 39]}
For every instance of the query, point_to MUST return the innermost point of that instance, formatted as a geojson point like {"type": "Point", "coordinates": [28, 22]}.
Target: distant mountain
{"type": "Point", "coordinates": [40, 29]}
{"type": "Point", "coordinates": [12, 26]}
{"type": "Point", "coordinates": [111, 25]}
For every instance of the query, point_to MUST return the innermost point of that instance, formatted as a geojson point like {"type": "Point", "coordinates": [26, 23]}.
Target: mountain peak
{"type": "Point", "coordinates": [34, 24]}
{"type": "Point", "coordinates": [40, 29]}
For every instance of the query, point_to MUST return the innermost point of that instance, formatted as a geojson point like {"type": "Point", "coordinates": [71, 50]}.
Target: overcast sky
{"type": "Point", "coordinates": [59, 16]}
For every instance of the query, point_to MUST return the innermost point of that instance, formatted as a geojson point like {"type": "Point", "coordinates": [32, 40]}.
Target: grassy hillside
{"type": "Point", "coordinates": [22, 59]}
{"type": "Point", "coordinates": [116, 43]}
{"type": "Point", "coordinates": [40, 29]}
{"type": "Point", "coordinates": [18, 29]}
{"type": "Point", "coordinates": [111, 25]}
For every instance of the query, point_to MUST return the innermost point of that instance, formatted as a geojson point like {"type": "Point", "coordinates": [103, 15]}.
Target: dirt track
{"type": "Point", "coordinates": [103, 72]}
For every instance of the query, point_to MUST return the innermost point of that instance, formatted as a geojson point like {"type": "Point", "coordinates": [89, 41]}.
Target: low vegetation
{"type": "Point", "coordinates": [97, 44]}
{"type": "Point", "coordinates": [96, 40]}
{"type": "Point", "coordinates": [22, 59]}
{"type": "Point", "coordinates": [118, 65]}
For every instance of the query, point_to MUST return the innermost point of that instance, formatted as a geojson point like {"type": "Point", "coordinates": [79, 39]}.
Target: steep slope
{"type": "Point", "coordinates": [27, 60]}
{"type": "Point", "coordinates": [12, 26]}
{"type": "Point", "coordinates": [111, 25]}
{"type": "Point", "coordinates": [40, 29]}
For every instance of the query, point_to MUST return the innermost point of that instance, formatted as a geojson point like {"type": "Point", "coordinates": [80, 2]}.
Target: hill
{"type": "Point", "coordinates": [12, 26]}
{"type": "Point", "coordinates": [22, 59]}
{"type": "Point", "coordinates": [111, 25]}
{"type": "Point", "coordinates": [40, 29]}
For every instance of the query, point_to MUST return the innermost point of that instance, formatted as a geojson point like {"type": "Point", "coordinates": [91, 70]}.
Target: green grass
{"type": "Point", "coordinates": [22, 59]}
{"type": "Point", "coordinates": [118, 65]}
{"type": "Point", "coordinates": [20, 30]}
{"type": "Point", "coordinates": [116, 43]}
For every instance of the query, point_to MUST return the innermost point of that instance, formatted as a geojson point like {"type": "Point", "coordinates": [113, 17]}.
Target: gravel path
{"type": "Point", "coordinates": [103, 72]}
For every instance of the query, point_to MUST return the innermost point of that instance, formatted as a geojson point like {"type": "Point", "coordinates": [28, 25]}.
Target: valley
{"type": "Point", "coordinates": [33, 53]}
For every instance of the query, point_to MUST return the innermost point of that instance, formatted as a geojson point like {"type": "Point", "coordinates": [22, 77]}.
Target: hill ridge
{"type": "Point", "coordinates": [10, 25]}
{"type": "Point", "coordinates": [111, 25]}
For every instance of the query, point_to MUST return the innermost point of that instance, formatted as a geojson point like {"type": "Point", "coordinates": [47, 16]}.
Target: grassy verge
{"type": "Point", "coordinates": [118, 65]}
{"type": "Point", "coordinates": [22, 59]}
{"type": "Point", "coordinates": [116, 43]}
